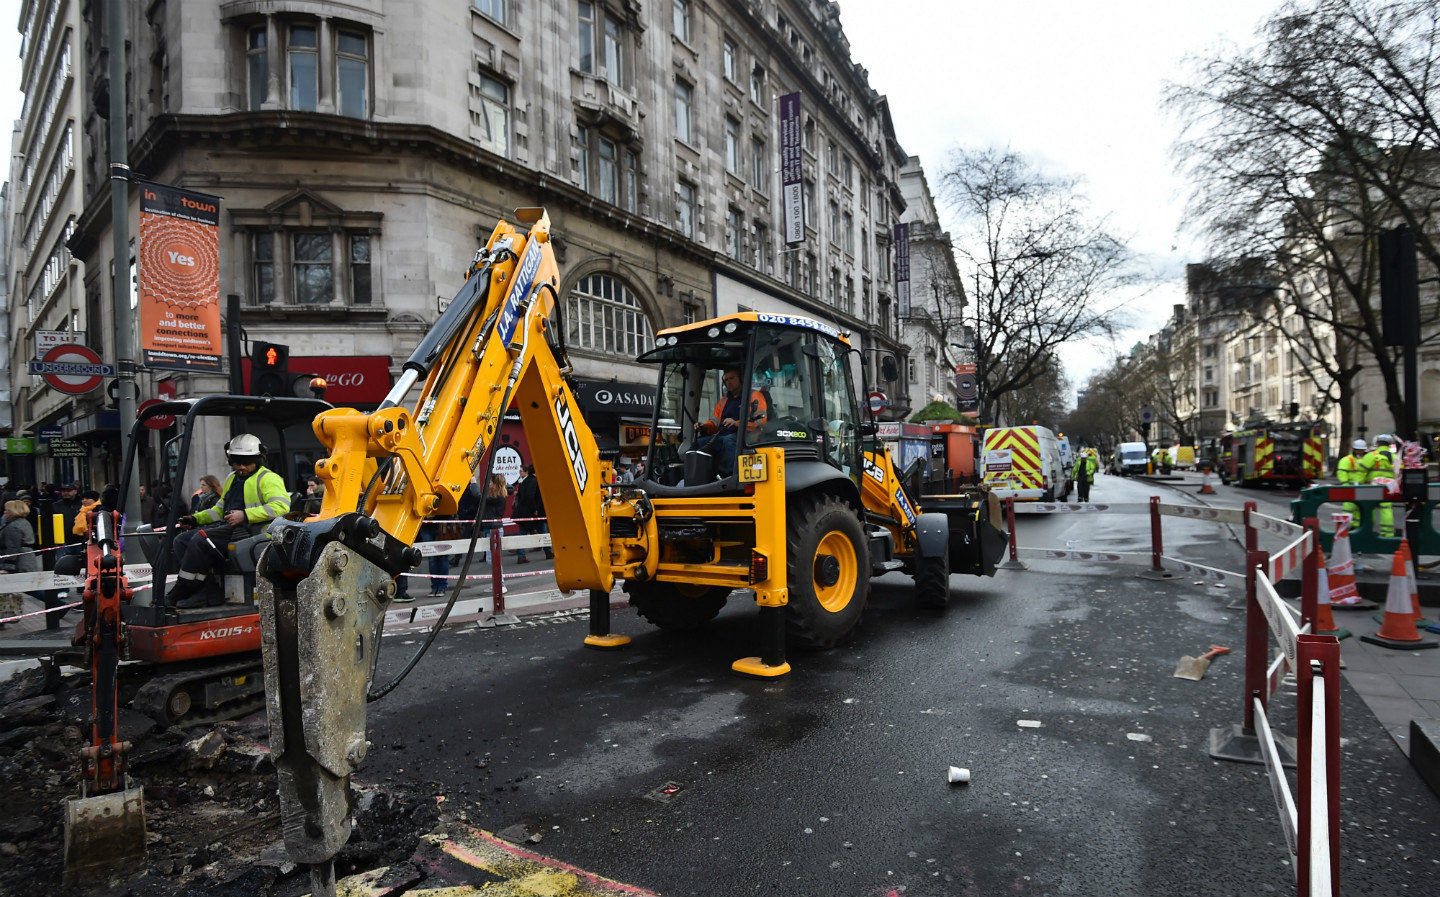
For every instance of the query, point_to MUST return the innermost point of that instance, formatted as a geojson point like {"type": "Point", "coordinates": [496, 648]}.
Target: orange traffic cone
{"type": "Point", "coordinates": [1343, 593]}
{"type": "Point", "coordinates": [1414, 586]}
{"type": "Point", "coordinates": [1324, 619]}
{"type": "Point", "coordinates": [1205, 487]}
{"type": "Point", "coordinates": [1398, 630]}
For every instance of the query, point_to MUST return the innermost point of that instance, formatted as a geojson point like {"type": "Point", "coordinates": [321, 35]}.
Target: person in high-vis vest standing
{"type": "Point", "coordinates": [1353, 471]}
{"type": "Point", "coordinates": [1380, 464]}
{"type": "Point", "coordinates": [252, 497]}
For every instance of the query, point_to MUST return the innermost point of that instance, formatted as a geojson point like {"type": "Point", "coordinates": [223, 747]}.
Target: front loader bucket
{"type": "Point", "coordinates": [977, 532]}
{"type": "Point", "coordinates": [104, 836]}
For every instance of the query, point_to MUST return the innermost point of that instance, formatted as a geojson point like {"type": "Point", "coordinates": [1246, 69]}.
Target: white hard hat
{"type": "Point", "coordinates": [1359, 444]}
{"type": "Point", "coordinates": [246, 445]}
{"type": "Point", "coordinates": [1385, 439]}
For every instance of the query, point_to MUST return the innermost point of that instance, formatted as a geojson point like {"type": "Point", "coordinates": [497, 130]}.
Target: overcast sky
{"type": "Point", "coordinates": [1075, 87]}
{"type": "Point", "coordinates": [1072, 85]}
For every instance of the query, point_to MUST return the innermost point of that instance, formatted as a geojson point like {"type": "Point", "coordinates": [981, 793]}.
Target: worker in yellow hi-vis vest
{"type": "Point", "coordinates": [1381, 464]}
{"type": "Point", "coordinates": [1353, 471]}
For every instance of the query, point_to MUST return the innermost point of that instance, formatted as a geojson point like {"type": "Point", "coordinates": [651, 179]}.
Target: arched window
{"type": "Point", "coordinates": [606, 317]}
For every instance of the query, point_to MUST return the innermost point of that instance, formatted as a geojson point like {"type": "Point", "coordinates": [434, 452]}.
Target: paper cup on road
{"type": "Point", "coordinates": [959, 775]}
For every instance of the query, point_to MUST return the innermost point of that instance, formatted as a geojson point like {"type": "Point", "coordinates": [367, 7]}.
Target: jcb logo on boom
{"type": "Point", "coordinates": [572, 442]}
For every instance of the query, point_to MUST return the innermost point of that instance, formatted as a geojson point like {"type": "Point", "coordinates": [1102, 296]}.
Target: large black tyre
{"type": "Point", "coordinates": [932, 580]}
{"type": "Point", "coordinates": [828, 571]}
{"type": "Point", "coordinates": [676, 607]}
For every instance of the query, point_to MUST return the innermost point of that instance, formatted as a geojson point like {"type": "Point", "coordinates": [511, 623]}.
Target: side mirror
{"type": "Point", "coordinates": [889, 369]}
{"type": "Point", "coordinates": [869, 428]}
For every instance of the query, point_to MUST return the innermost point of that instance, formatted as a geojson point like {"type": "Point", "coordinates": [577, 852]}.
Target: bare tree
{"type": "Point", "coordinates": [1042, 401]}
{"type": "Point", "coordinates": [1044, 272]}
{"type": "Point", "coordinates": [1305, 149]}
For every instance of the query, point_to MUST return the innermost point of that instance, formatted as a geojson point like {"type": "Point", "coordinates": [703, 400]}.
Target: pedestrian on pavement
{"type": "Point", "coordinates": [207, 495]}
{"type": "Point", "coordinates": [147, 506]}
{"type": "Point", "coordinates": [492, 510]}
{"type": "Point", "coordinates": [529, 503]}
{"type": "Point", "coordinates": [1085, 467]}
{"type": "Point", "coordinates": [468, 505]}
{"type": "Point", "coordinates": [17, 555]}
{"type": "Point", "coordinates": [253, 496]}
{"type": "Point", "coordinates": [68, 505]}
{"type": "Point", "coordinates": [623, 473]}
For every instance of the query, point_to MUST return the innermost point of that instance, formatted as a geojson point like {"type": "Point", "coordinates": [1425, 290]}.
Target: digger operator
{"type": "Point", "coordinates": [251, 498]}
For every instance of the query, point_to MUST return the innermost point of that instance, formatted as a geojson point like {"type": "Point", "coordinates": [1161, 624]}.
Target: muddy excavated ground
{"type": "Point", "coordinates": [212, 816]}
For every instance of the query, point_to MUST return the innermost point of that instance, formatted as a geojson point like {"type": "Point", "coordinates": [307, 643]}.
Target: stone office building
{"type": "Point", "coordinates": [363, 151]}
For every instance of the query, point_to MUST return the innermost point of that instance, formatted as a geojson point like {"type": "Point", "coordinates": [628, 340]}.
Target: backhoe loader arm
{"type": "Point", "coordinates": [324, 584]}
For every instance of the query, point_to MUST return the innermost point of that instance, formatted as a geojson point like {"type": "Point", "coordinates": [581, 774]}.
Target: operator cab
{"type": "Point", "coordinates": [286, 422]}
{"type": "Point", "coordinates": [747, 381]}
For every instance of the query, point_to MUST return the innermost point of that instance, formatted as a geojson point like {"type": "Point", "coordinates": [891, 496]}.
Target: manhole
{"type": "Point", "coordinates": [665, 793]}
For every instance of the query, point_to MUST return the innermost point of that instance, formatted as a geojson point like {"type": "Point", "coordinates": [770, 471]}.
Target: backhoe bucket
{"type": "Point", "coordinates": [977, 531]}
{"type": "Point", "coordinates": [104, 836]}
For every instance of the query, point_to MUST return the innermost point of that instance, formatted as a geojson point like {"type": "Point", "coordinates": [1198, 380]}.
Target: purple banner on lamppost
{"type": "Point", "coordinates": [902, 268]}
{"type": "Point", "coordinates": [791, 196]}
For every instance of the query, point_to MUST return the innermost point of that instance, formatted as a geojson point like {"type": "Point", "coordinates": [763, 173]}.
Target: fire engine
{"type": "Point", "coordinates": [1273, 453]}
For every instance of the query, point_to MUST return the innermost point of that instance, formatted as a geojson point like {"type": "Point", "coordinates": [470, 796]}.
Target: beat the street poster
{"type": "Point", "coordinates": [179, 278]}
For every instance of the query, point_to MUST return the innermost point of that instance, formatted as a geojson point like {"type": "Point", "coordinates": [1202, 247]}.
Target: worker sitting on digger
{"type": "Point", "coordinates": [253, 496]}
{"type": "Point", "coordinates": [724, 424]}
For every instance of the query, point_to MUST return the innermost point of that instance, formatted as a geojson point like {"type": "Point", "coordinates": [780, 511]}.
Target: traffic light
{"type": "Point", "coordinates": [269, 369]}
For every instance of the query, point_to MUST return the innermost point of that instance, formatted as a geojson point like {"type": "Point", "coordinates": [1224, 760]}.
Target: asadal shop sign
{"type": "Point", "coordinates": [616, 398]}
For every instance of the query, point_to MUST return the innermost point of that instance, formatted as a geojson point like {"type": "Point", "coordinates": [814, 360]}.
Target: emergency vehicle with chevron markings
{"type": "Point", "coordinates": [1271, 453]}
{"type": "Point", "coordinates": [1023, 463]}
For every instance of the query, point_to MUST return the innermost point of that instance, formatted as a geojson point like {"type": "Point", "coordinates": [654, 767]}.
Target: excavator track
{"type": "Point", "coordinates": [203, 694]}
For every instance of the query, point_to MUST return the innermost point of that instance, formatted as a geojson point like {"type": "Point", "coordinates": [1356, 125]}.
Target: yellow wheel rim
{"type": "Point", "coordinates": [835, 597]}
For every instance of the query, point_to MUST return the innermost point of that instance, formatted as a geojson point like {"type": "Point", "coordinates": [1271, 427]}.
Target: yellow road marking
{"type": "Point", "coordinates": [526, 874]}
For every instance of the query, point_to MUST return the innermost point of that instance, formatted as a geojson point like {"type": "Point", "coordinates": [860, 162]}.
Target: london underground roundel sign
{"type": "Point", "coordinates": [79, 358]}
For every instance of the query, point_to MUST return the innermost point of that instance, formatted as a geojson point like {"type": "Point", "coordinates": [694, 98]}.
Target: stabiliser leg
{"type": "Point", "coordinates": [600, 636]}
{"type": "Point", "coordinates": [771, 662]}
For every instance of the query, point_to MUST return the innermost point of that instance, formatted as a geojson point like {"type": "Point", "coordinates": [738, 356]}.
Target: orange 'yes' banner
{"type": "Point", "coordinates": [179, 278]}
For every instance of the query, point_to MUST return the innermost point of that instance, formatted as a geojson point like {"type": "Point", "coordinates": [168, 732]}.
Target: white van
{"type": "Point", "coordinates": [1024, 463]}
{"type": "Point", "coordinates": [1130, 459]}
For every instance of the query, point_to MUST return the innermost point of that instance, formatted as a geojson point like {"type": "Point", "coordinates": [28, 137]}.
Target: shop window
{"type": "Point", "coordinates": [606, 317]}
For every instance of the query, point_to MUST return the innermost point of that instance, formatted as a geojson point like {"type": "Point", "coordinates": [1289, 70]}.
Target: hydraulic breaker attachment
{"type": "Point", "coordinates": [323, 591]}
